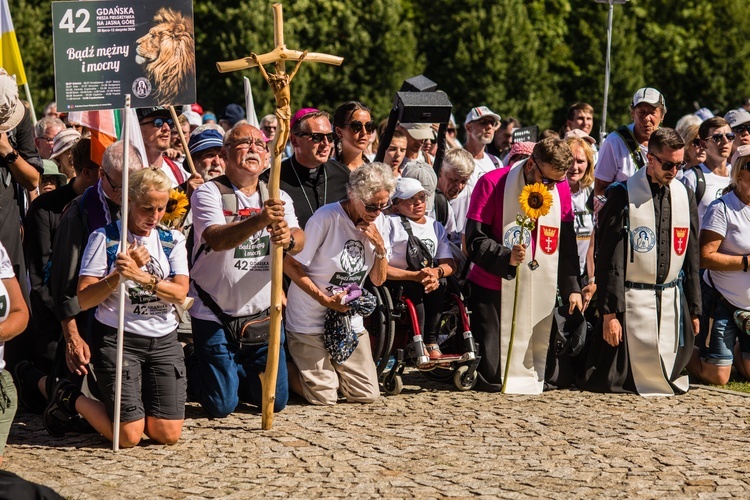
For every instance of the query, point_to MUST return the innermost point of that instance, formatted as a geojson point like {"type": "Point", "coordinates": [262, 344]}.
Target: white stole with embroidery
{"type": "Point", "coordinates": [653, 339]}
{"type": "Point", "coordinates": [536, 294]}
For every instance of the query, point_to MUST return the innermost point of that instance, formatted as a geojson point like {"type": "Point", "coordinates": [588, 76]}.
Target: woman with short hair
{"type": "Point", "coordinates": [346, 242]}
{"type": "Point", "coordinates": [154, 268]}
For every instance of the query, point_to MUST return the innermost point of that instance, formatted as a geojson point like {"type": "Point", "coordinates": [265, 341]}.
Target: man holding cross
{"type": "Point", "coordinates": [234, 224]}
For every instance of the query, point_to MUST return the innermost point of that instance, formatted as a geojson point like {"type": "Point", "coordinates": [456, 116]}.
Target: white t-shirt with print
{"type": "Point", "coordinates": [145, 313]}
{"type": "Point", "coordinates": [6, 272]}
{"type": "Point", "coordinates": [583, 223]}
{"type": "Point", "coordinates": [730, 218]}
{"type": "Point", "coordinates": [336, 254]}
{"type": "Point", "coordinates": [715, 184]}
{"type": "Point", "coordinates": [615, 164]}
{"type": "Point", "coordinates": [431, 232]}
{"type": "Point", "coordinates": [238, 279]}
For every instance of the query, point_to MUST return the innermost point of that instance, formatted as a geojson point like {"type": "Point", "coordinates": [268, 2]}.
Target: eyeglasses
{"type": "Point", "coordinates": [484, 122]}
{"type": "Point", "coordinates": [376, 208]}
{"type": "Point", "coordinates": [357, 125]}
{"type": "Point", "coordinates": [117, 188]}
{"type": "Point", "coordinates": [741, 129]}
{"type": "Point", "coordinates": [317, 137]}
{"type": "Point", "coordinates": [669, 165]}
{"type": "Point", "coordinates": [268, 127]}
{"type": "Point", "coordinates": [416, 199]}
{"type": "Point", "coordinates": [49, 140]}
{"type": "Point", "coordinates": [717, 138]}
{"type": "Point", "coordinates": [247, 144]}
{"type": "Point", "coordinates": [159, 122]}
{"type": "Point", "coordinates": [697, 143]}
{"type": "Point", "coordinates": [450, 131]}
{"type": "Point", "coordinates": [546, 180]}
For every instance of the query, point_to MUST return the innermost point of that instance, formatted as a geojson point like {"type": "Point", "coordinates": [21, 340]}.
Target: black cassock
{"type": "Point", "coordinates": [608, 368]}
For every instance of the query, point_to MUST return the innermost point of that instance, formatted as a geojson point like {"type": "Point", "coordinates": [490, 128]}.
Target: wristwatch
{"type": "Point", "coordinates": [11, 157]}
{"type": "Point", "coordinates": [291, 244]}
{"type": "Point", "coordinates": [744, 263]}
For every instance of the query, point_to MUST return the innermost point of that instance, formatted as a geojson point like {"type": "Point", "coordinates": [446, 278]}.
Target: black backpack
{"type": "Point", "coordinates": [700, 183]}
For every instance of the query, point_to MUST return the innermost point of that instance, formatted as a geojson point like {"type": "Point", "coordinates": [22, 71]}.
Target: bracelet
{"type": "Point", "coordinates": [106, 280]}
{"type": "Point", "coordinates": [744, 263]}
{"type": "Point", "coordinates": [591, 280]}
{"type": "Point", "coordinates": [151, 285]}
{"type": "Point", "coordinates": [441, 272]}
{"type": "Point", "coordinates": [380, 255]}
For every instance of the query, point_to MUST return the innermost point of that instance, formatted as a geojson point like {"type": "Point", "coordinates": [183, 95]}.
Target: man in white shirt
{"type": "Point", "coordinates": [156, 128]}
{"type": "Point", "coordinates": [232, 276]}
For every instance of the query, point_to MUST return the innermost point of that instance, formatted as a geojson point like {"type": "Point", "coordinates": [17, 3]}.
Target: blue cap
{"type": "Point", "coordinates": [233, 113]}
{"type": "Point", "coordinates": [209, 116]}
{"type": "Point", "coordinates": [207, 139]}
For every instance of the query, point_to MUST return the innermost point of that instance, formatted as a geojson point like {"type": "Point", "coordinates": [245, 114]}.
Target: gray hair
{"type": "Point", "coordinates": [685, 122]}
{"type": "Point", "coordinates": [208, 126]}
{"type": "Point", "coordinates": [370, 178]}
{"type": "Point", "coordinates": [114, 158]}
{"type": "Point", "coordinates": [44, 123]}
{"type": "Point", "coordinates": [460, 161]}
{"type": "Point", "coordinates": [267, 119]}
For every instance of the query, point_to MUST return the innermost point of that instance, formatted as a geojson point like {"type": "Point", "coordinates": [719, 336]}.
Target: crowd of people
{"type": "Point", "coordinates": [658, 268]}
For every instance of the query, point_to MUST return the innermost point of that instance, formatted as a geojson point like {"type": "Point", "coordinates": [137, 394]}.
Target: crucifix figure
{"type": "Point", "coordinates": [279, 82]}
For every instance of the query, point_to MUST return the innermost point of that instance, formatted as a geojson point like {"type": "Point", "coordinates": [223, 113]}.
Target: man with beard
{"type": "Point", "coordinates": [307, 176]}
{"type": "Point", "coordinates": [648, 277]}
{"type": "Point", "coordinates": [234, 226]}
{"type": "Point", "coordinates": [205, 149]}
{"type": "Point", "coordinates": [624, 151]}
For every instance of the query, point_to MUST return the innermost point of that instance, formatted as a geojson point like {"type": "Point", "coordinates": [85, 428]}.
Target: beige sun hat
{"type": "Point", "coordinates": [11, 107]}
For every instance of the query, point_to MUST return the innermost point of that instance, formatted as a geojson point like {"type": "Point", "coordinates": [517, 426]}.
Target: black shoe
{"type": "Point", "coordinates": [60, 411]}
{"type": "Point", "coordinates": [27, 382]}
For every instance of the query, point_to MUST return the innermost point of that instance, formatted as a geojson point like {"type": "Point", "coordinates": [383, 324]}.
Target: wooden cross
{"type": "Point", "coordinates": [279, 83]}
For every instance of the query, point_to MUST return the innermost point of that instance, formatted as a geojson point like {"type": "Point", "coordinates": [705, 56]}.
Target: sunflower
{"type": "Point", "coordinates": [176, 207]}
{"type": "Point", "coordinates": [535, 200]}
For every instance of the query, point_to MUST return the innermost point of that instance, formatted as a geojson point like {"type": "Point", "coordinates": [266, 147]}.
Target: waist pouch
{"type": "Point", "coordinates": [247, 331]}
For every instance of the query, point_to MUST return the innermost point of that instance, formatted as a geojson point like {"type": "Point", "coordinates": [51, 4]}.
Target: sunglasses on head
{"type": "Point", "coordinates": [159, 122]}
{"type": "Point", "coordinates": [357, 125]}
{"type": "Point", "coordinates": [376, 208]}
{"type": "Point", "coordinates": [741, 129]}
{"type": "Point", "coordinates": [717, 138]}
{"type": "Point", "coordinates": [317, 137]}
{"type": "Point", "coordinates": [669, 165]}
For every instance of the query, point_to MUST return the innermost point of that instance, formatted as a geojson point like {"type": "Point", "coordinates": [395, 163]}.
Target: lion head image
{"type": "Point", "coordinates": [167, 53]}
{"type": "Point", "coordinates": [353, 257]}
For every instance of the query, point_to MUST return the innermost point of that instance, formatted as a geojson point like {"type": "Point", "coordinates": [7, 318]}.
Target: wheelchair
{"type": "Point", "coordinates": [397, 342]}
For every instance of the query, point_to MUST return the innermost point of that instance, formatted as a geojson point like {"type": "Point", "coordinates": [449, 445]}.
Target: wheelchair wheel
{"type": "Point", "coordinates": [381, 326]}
{"type": "Point", "coordinates": [462, 380]}
{"type": "Point", "coordinates": [395, 386]}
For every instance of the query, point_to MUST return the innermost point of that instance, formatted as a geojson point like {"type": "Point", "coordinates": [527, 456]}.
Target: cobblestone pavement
{"type": "Point", "coordinates": [430, 442]}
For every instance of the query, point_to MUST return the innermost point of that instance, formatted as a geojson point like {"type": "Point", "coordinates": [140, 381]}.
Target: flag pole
{"type": "Point", "coordinates": [123, 248]}
{"type": "Point", "coordinates": [31, 102]}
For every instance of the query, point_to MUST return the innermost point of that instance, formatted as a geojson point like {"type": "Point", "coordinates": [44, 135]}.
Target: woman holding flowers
{"type": "Point", "coordinates": [521, 240]}
{"type": "Point", "coordinates": [154, 269]}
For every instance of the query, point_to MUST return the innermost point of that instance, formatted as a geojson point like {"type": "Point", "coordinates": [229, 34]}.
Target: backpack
{"type": "Point", "coordinates": [633, 146]}
{"type": "Point", "coordinates": [418, 256]}
{"type": "Point", "coordinates": [441, 207]}
{"type": "Point", "coordinates": [700, 183]}
{"type": "Point", "coordinates": [229, 205]}
{"type": "Point", "coordinates": [112, 234]}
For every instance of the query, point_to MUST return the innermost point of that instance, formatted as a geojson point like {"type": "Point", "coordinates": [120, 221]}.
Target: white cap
{"type": "Point", "coordinates": [480, 112]}
{"type": "Point", "coordinates": [649, 95]}
{"type": "Point", "coordinates": [406, 187]}
{"type": "Point", "coordinates": [737, 117]}
{"type": "Point", "coordinates": [193, 118]}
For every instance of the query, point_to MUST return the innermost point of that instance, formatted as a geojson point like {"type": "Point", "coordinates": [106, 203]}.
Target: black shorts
{"type": "Point", "coordinates": [153, 374]}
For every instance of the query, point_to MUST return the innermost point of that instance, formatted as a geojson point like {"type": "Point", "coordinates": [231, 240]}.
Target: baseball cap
{"type": "Point", "coordinates": [419, 131]}
{"type": "Point", "coordinates": [650, 96]}
{"type": "Point", "coordinates": [209, 116]}
{"type": "Point", "coordinates": [193, 118]}
{"type": "Point", "coordinates": [233, 113]}
{"type": "Point", "coordinates": [209, 138]}
{"type": "Point", "coordinates": [50, 169]}
{"type": "Point", "coordinates": [64, 140]}
{"type": "Point", "coordinates": [406, 187]}
{"type": "Point", "coordinates": [155, 111]}
{"type": "Point", "coordinates": [737, 117]}
{"type": "Point", "coordinates": [301, 114]}
{"type": "Point", "coordinates": [11, 107]}
{"type": "Point", "coordinates": [480, 112]}
{"type": "Point", "coordinates": [581, 135]}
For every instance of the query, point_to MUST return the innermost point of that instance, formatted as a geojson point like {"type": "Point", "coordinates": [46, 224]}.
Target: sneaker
{"type": "Point", "coordinates": [59, 412]}
{"type": "Point", "coordinates": [27, 382]}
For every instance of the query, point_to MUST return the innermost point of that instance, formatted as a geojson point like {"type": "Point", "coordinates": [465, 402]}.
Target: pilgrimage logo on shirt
{"type": "Point", "coordinates": [352, 260]}
{"type": "Point", "coordinates": [430, 245]}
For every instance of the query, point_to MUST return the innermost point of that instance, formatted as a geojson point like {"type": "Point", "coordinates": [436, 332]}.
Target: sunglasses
{"type": "Point", "coordinates": [741, 129]}
{"type": "Point", "coordinates": [357, 126]}
{"type": "Point", "coordinates": [317, 137]}
{"type": "Point", "coordinates": [117, 188]}
{"type": "Point", "coordinates": [697, 143]}
{"type": "Point", "coordinates": [159, 122]}
{"type": "Point", "coordinates": [717, 138]}
{"type": "Point", "coordinates": [669, 165]}
{"type": "Point", "coordinates": [376, 208]}
{"type": "Point", "coordinates": [546, 180]}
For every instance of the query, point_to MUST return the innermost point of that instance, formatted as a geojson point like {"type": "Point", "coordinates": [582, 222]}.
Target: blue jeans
{"type": "Point", "coordinates": [724, 331]}
{"type": "Point", "coordinates": [224, 374]}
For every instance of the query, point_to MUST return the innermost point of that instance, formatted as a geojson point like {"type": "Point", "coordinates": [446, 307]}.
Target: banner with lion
{"type": "Point", "coordinates": [104, 50]}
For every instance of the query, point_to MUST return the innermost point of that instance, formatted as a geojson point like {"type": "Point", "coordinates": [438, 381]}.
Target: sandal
{"type": "Point", "coordinates": [433, 351]}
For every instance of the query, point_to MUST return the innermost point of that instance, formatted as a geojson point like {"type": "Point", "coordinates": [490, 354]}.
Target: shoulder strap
{"type": "Point", "coordinates": [228, 197]}
{"type": "Point", "coordinates": [406, 225]}
{"type": "Point", "coordinates": [441, 207]}
{"type": "Point", "coordinates": [632, 144]}
{"type": "Point", "coordinates": [494, 159]}
{"type": "Point", "coordinates": [700, 183]}
{"type": "Point", "coordinates": [112, 242]}
{"type": "Point", "coordinates": [176, 170]}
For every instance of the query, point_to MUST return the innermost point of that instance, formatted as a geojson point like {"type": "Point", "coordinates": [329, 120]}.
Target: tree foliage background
{"type": "Point", "coordinates": [525, 58]}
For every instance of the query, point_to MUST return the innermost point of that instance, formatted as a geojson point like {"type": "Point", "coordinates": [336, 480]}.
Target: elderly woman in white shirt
{"type": "Point", "coordinates": [346, 242]}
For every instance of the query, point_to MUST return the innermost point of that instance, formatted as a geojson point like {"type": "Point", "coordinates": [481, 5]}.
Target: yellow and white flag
{"type": "Point", "coordinates": [10, 55]}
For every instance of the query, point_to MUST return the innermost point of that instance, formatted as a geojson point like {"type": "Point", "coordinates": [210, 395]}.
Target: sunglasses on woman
{"type": "Point", "coordinates": [376, 208]}
{"type": "Point", "coordinates": [317, 137]}
{"type": "Point", "coordinates": [356, 126]}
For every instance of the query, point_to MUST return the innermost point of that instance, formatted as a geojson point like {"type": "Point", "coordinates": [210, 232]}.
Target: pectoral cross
{"type": "Point", "coordinates": [279, 83]}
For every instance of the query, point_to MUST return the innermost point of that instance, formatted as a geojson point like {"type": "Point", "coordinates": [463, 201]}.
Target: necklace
{"type": "Point", "coordinates": [325, 184]}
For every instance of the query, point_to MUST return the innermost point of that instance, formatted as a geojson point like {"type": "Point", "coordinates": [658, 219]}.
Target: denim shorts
{"type": "Point", "coordinates": [717, 346]}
